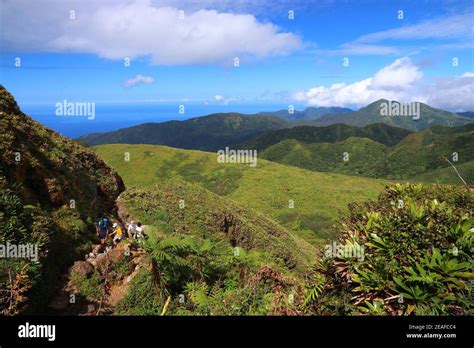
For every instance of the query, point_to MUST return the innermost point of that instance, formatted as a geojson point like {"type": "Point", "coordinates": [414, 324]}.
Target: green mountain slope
{"type": "Point", "coordinates": [371, 114]}
{"type": "Point", "coordinates": [204, 256]}
{"type": "Point", "coordinates": [422, 152]}
{"type": "Point", "coordinates": [208, 133]}
{"type": "Point", "coordinates": [210, 216]}
{"type": "Point", "coordinates": [362, 154]}
{"type": "Point", "coordinates": [379, 132]}
{"type": "Point", "coordinates": [267, 188]}
{"type": "Point", "coordinates": [448, 176]}
{"type": "Point", "coordinates": [51, 191]}
{"type": "Point", "coordinates": [212, 257]}
{"type": "Point", "coordinates": [416, 154]}
{"type": "Point", "coordinates": [310, 113]}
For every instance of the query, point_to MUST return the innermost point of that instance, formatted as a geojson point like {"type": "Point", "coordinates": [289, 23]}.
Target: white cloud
{"type": "Point", "coordinates": [453, 93]}
{"type": "Point", "coordinates": [458, 26]}
{"type": "Point", "coordinates": [139, 79]}
{"type": "Point", "coordinates": [400, 75]}
{"type": "Point", "coordinates": [221, 99]}
{"type": "Point", "coordinates": [402, 81]}
{"type": "Point", "coordinates": [361, 49]}
{"type": "Point", "coordinates": [120, 29]}
{"type": "Point", "coordinates": [457, 33]}
{"type": "Point", "coordinates": [390, 82]}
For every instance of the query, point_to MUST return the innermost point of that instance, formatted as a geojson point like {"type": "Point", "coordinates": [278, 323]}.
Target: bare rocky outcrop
{"type": "Point", "coordinates": [82, 268]}
{"type": "Point", "coordinates": [113, 282]}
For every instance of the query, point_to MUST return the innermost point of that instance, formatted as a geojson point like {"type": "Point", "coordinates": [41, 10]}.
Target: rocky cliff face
{"type": "Point", "coordinates": [52, 190]}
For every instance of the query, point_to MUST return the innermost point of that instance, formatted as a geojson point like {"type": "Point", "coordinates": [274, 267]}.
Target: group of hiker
{"type": "Point", "coordinates": [105, 230]}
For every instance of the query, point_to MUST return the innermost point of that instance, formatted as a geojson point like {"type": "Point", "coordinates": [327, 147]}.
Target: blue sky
{"type": "Point", "coordinates": [282, 61]}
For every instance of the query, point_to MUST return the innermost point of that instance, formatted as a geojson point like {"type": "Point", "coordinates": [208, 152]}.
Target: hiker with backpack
{"type": "Point", "coordinates": [102, 228]}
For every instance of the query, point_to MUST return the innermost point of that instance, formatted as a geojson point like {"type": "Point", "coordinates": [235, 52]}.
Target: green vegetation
{"type": "Point", "coordinates": [418, 157]}
{"type": "Point", "coordinates": [371, 114]}
{"type": "Point", "coordinates": [210, 216]}
{"type": "Point", "coordinates": [379, 132]}
{"type": "Point", "coordinates": [418, 244]}
{"type": "Point", "coordinates": [362, 154]}
{"type": "Point", "coordinates": [214, 132]}
{"type": "Point", "coordinates": [230, 239]}
{"type": "Point", "coordinates": [310, 113]}
{"type": "Point", "coordinates": [207, 255]}
{"type": "Point", "coordinates": [408, 252]}
{"type": "Point", "coordinates": [208, 133]}
{"type": "Point", "coordinates": [448, 175]}
{"type": "Point", "coordinates": [88, 285]}
{"type": "Point", "coordinates": [51, 189]}
{"type": "Point", "coordinates": [267, 188]}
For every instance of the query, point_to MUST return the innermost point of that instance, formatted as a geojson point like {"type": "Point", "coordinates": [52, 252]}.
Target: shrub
{"type": "Point", "coordinates": [417, 243]}
{"type": "Point", "coordinates": [89, 286]}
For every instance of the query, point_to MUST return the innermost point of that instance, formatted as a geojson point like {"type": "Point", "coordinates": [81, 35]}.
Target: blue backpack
{"type": "Point", "coordinates": [103, 223]}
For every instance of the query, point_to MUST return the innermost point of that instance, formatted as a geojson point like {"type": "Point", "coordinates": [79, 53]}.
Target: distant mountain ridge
{"type": "Point", "coordinates": [468, 114]}
{"type": "Point", "coordinates": [207, 133]}
{"type": "Point", "coordinates": [215, 131]}
{"type": "Point", "coordinates": [310, 113]}
{"type": "Point", "coordinates": [429, 117]}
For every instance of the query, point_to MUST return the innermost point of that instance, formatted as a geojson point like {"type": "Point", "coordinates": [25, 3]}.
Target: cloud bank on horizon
{"type": "Point", "coordinates": [402, 81]}
{"type": "Point", "coordinates": [280, 56]}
